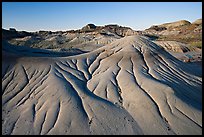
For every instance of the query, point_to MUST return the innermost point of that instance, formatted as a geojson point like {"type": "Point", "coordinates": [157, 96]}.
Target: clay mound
{"type": "Point", "coordinates": [198, 22]}
{"type": "Point", "coordinates": [130, 86]}
{"type": "Point", "coordinates": [176, 24]}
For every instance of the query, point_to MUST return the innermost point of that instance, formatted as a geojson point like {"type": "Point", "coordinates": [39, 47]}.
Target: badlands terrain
{"type": "Point", "coordinates": [108, 80]}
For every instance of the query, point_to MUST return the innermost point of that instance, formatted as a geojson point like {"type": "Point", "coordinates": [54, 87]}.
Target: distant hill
{"type": "Point", "coordinates": [198, 22]}
{"type": "Point", "coordinates": [181, 31]}
{"type": "Point", "coordinates": [12, 33]}
{"type": "Point", "coordinates": [88, 38]}
{"type": "Point", "coordinates": [91, 36]}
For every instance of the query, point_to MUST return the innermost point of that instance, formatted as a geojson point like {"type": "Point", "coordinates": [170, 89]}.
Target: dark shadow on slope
{"type": "Point", "coordinates": [11, 53]}
{"type": "Point", "coordinates": [33, 52]}
{"type": "Point", "coordinates": [187, 67]}
{"type": "Point", "coordinates": [8, 61]}
{"type": "Point", "coordinates": [152, 37]}
{"type": "Point", "coordinates": [190, 94]}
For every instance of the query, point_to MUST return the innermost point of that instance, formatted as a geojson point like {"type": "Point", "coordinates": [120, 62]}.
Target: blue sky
{"type": "Point", "coordinates": [35, 16]}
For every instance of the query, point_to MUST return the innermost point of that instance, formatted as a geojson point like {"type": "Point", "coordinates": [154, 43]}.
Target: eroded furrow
{"type": "Point", "coordinates": [83, 68]}
{"type": "Point", "coordinates": [55, 117]}
{"type": "Point", "coordinates": [74, 72]}
{"type": "Point", "coordinates": [116, 80]}
{"type": "Point", "coordinates": [96, 63]}
{"type": "Point", "coordinates": [107, 91]}
{"type": "Point", "coordinates": [33, 86]}
{"type": "Point", "coordinates": [42, 125]}
{"type": "Point", "coordinates": [148, 95]}
{"type": "Point", "coordinates": [66, 75]}
{"type": "Point", "coordinates": [6, 74]}
{"type": "Point", "coordinates": [188, 117]}
{"type": "Point", "coordinates": [95, 87]}
{"type": "Point", "coordinates": [26, 75]}
{"type": "Point", "coordinates": [16, 93]}
{"type": "Point", "coordinates": [180, 74]}
{"type": "Point", "coordinates": [7, 81]}
{"type": "Point", "coordinates": [14, 126]}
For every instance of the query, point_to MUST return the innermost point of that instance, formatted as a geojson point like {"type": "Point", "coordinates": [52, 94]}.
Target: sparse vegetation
{"type": "Point", "coordinates": [197, 44]}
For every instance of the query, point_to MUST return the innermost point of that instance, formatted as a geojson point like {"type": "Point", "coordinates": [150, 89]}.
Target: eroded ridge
{"type": "Point", "coordinates": [130, 86]}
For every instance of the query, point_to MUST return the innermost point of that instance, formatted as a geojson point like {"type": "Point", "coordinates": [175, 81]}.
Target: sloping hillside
{"type": "Point", "coordinates": [130, 86]}
{"type": "Point", "coordinates": [180, 31]}
{"type": "Point", "coordinates": [89, 38]}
